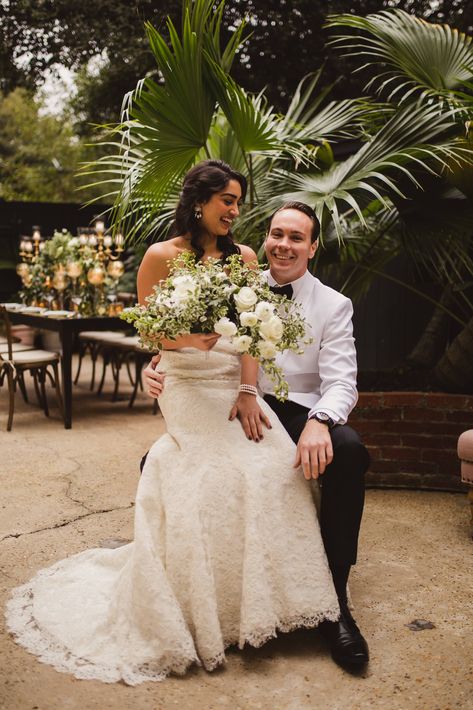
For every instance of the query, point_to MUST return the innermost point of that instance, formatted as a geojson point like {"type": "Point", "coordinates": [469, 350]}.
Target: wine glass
{"type": "Point", "coordinates": [112, 297]}
{"type": "Point", "coordinates": [76, 300]}
{"type": "Point", "coordinates": [49, 297]}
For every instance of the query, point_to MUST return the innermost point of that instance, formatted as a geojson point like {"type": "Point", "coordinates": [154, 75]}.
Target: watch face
{"type": "Point", "coordinates": [323, 418]}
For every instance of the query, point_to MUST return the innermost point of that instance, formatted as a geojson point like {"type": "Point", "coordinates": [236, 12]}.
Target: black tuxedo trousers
{"type": "Point", "coordinates": [342, 485]}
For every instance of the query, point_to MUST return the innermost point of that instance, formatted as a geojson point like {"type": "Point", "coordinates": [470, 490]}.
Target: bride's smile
{"type": "Point", "coordinates": [219, 212]}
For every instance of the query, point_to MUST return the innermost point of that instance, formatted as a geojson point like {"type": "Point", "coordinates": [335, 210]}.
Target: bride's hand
{"type": "Point", "coordinates": [201, 341]}
{"type": "Point", "coordinates": [251, 416]}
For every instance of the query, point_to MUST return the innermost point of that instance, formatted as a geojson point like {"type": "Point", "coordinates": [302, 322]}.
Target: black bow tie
{"type": "Point", "coordinates": [286, 290]}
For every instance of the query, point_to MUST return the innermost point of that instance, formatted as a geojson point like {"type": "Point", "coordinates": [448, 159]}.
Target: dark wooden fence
{"type": "Point", "coordinates": [388, 321]}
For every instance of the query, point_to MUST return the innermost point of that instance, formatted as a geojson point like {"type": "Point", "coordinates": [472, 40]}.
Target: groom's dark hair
{"type": "Point", "coordinates": [305, 209]}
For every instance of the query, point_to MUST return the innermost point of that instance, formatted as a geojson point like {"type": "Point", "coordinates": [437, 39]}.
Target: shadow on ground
{"type": "Point", "coordinates": [66, 491]}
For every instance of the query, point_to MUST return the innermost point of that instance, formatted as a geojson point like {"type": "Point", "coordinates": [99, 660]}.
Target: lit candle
{"type": "Point", "coordinates": [99, 226]}
{"type": "Point", "coordinates": [93, 240]}
{"type": "Point", "coordinates": [83, 239]}
{"type": "Point", "coordinates": [41, 246]}
{"type": "Point", "coordinates": [107, 240]}
{"type": "Point", "coordinates": [28, 246]}
{"type": "Point", "coordinates": [22, 245]}
{"type": "Point", "coordinates": [119, 239]}
{"type": "Point", "coordinates": [36, 235]}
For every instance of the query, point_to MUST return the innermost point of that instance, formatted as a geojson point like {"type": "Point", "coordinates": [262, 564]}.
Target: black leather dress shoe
{"type": "Point", "coordinates": [347, 645]}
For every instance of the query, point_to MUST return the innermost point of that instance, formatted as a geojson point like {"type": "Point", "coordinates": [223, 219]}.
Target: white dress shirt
{"type": "Point", "coordinates": [323, 379]}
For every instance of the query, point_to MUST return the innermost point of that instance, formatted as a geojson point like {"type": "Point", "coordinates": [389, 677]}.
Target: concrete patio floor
{"type": "Point", "coordinates": [66, 491]}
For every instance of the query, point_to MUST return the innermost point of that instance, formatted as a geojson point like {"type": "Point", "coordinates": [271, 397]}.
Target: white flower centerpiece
{"type": "Point", "coordinates": [230, 299]}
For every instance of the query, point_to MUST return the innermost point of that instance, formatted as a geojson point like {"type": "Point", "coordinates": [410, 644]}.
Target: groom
{"type": "Point", "coordinates": [322, 393]}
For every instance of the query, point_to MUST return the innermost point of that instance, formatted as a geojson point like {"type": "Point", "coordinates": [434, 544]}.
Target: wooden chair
{"type": "Point", "coordinates": [117, 352]}
{"type": "Point", "coordinates": [17, 347]}
{"type": "Point", "coordinates": [92, 341]}
{"type": "Point", "coordinates": [125, 351]}
{"type": "Point", "coordinates": [16, 360]}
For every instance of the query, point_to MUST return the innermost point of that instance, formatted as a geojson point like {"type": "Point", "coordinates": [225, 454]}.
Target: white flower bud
{"type": "Point", "coordinates": [248, 319]}
{"type": "Point", "coordinates": [272, 329]}
{"type": "Point", "coordinates": [242, 343]}
{"type": "Point", "coordinates": [184, 284]}
{"type": "Point", "coordinates": [264, 310]}
{"type": "Point", "coordinates": [267, 349]}
{"type": "Point", "coordinates": [245, 299]}
{"type": "Point", "coordinates": [224, 326]}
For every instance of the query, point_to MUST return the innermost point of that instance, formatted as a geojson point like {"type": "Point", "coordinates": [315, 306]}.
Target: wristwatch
{"type": "Point", "coordinates": [323, 418]}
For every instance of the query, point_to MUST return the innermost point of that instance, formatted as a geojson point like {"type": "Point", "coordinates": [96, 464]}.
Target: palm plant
{"type": "Point", "coordinates": [193, 109]}
{"type": "Point", "coordinates": [196, 110]}
{"type": "Point", "coordinates": [412, 57]}
{"type": "Point", "coordinates": [413, 61]}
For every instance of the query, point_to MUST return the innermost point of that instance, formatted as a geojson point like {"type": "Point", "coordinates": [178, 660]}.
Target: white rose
{"type": "Point", "coordinates": [272, 329]}
{"type": "Point", "coordinates": [248, 319]}
{"type": "Point", "coordinates": [225, 327]}
{"type": "Point", "coordinates": [245, 299]}
{"type": "Point", "coordinates": [242, 343]}
{"type": "Point", "coordinates": [264, 310]}
{"type": "Point", "coordinates": [184, 284]}
{"type": "Point", "coordinates": [267, 349]}
{"type": "Point", "coordinates": [178, 298]}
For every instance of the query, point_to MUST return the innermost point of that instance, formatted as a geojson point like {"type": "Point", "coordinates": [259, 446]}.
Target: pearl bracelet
{"type": "Point", "coordinates": [248, 389]}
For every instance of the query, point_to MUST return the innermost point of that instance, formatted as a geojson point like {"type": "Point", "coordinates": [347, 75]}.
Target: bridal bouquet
{"type": "Point", "coordinates": [230, 299]}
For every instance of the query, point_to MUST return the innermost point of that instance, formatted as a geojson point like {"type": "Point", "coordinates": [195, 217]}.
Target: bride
{"type": "Point", "coordinates": [226, 545]}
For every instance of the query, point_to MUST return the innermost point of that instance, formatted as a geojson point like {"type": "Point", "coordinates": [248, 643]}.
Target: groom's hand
{"type": "Point", "coordinates": [251, 416]}
{"type": "Point", "coordinates": [153, 379]}
{"type": "Point", "coordinates": [314, 449]}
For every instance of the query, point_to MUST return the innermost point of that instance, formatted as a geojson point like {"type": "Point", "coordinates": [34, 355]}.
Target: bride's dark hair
{"type": "Point", "coordinates": [200, 183]}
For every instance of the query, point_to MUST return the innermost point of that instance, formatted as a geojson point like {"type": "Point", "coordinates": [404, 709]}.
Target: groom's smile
{"type": "Point", "coordinates": [289, 245]}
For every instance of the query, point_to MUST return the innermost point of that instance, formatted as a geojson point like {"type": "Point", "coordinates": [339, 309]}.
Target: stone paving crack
{"type": "Point", "coordinates": [75, 500]}
{"type": "Point", "coordinates": [66, 522]}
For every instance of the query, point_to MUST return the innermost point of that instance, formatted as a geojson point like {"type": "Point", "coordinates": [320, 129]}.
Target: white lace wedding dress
{"type": "Point", "coordinates": [226, 550]}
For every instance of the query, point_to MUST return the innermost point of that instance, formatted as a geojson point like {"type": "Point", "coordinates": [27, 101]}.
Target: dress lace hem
{"type": "Point", "coordinates": [22, 625]}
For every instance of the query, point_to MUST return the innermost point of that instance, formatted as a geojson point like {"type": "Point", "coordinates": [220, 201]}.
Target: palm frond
{"type": "Point", "coordinates": [252, 122]}
{"type": "Point", "coordinates": [421, 58]}
{"type": "Point", "coordinates": [166, 124]}
{"type": "Point", "coordinates": [212, 38]}
{"type": "Point", "coordinates": [414, 137]}
{"type": "Point", "coordinates": [305, 121]}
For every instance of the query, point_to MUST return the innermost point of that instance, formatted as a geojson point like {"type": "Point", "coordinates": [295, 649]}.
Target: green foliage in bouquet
{"type": "Point", "coordinates": [232, 299]}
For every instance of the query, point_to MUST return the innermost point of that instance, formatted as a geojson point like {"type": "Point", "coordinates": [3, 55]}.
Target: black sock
{"type": "Point", "coordinates": [340, 575]}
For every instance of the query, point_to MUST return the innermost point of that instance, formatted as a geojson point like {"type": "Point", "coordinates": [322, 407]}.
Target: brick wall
{"type": "Point", "coordinates": [412, 437]}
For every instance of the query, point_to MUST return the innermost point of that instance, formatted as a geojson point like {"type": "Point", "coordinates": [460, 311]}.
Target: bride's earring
{"type": "Point", "coordinates": [198, 212]}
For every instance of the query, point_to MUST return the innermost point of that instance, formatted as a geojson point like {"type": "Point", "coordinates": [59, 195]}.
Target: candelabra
{"type": "Point", "coordinates": [31, 247]}
{"type": "Point", "coordinates": [106, 256]}
{"type": "Point", "coordinates": [106, 247]}
{"type": "Point", "coordinates": [83, 270]}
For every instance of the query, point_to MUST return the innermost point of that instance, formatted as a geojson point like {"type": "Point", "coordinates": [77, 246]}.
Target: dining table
{"type": "Point", "coordinates": [68, 329]}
